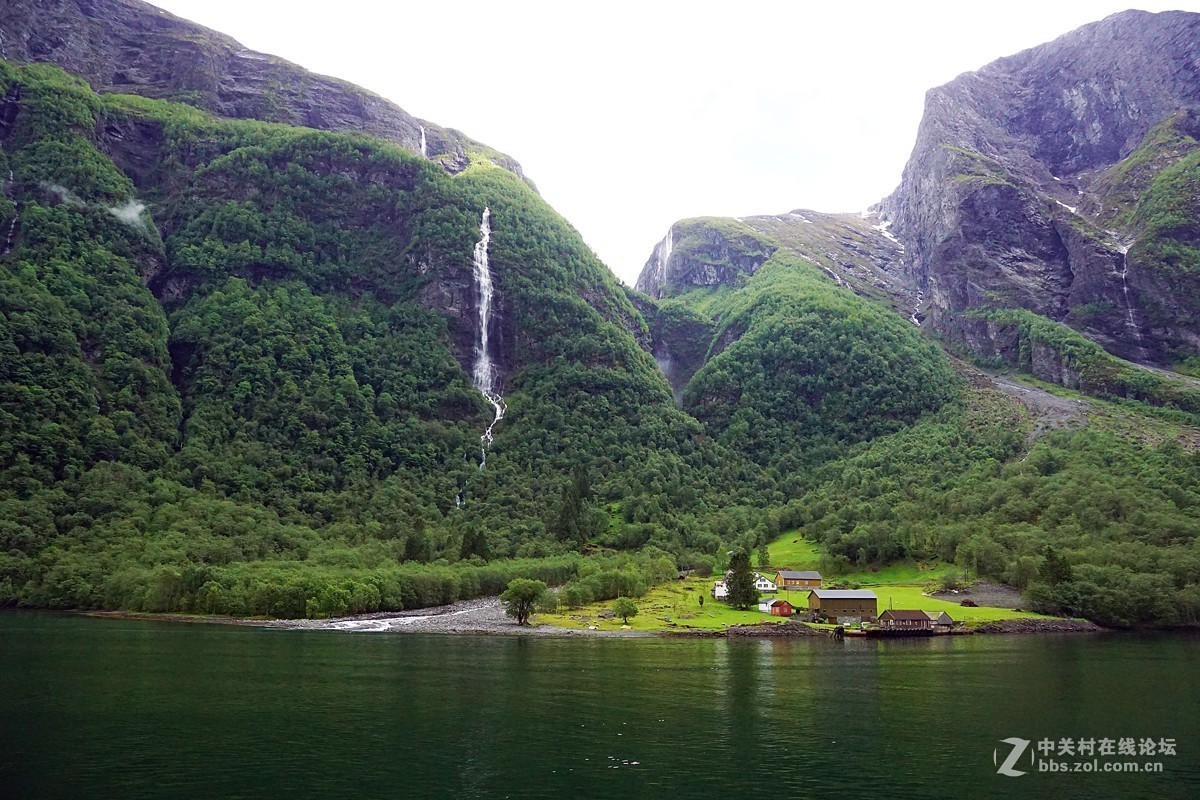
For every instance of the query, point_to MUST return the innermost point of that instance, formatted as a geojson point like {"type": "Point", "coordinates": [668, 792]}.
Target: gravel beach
{"type": "Point", "coordinates": [480, 616]}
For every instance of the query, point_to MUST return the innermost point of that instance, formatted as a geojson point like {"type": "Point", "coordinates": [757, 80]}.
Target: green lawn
{"type": "Point", "coordinates": [672, 606]}
{"type": "Point", "coordinates": [676, 606]}
{"type": "Point", "coordinates": [911, 597]}
{"type": "Point", "coordinates": [793, 551]}
{"type": "Point", "coordinates": [899, 585]}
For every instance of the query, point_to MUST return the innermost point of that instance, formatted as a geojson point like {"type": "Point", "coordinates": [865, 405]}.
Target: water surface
{"type": "Point", "coordinates": [102, 708]}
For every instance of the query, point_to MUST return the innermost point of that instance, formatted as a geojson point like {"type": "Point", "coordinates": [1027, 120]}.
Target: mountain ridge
{"type": "Point", "coordinates": [1020, 194]}
{"type": "Point", "coordinates": [133, 47]}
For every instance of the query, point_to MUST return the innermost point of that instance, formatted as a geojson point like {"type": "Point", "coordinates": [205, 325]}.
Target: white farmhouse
{"type": "Point", "coordinates": [763, 583]}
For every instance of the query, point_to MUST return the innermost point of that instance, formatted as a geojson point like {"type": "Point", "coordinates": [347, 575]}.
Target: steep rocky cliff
{"type": "Point", "coordinates": [1063, 180]}
{"type": "Point", "coordinates": [1011, 197]}
{"type": "Point", "coordinates": [856, 251]}
{"type": "Point", "coordinates": [128, 46]}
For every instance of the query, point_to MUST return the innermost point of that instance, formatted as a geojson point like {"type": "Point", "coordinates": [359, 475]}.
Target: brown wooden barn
{"type": "Point", "coordinates": [839, 605]}
{"type": "Point", "coordinates": [794, 580]}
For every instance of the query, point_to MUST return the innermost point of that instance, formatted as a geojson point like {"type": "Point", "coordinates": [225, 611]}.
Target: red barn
{"type": "Point", "coordinates": [778, 608]}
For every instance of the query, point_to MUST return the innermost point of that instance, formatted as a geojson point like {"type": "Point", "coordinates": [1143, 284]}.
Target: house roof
{"type": "Point", "coordinates": [763, 577]}
{"type": "Point", "coordinates": [794, 575]}
{"type": "Point", "coordinates": [905, 614]}
{"type": "Point", "coordinates": [844, 594]}
{"type": "Point", "coordinates": [937, 615]}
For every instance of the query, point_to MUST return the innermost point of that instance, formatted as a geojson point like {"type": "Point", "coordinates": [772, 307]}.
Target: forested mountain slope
{"type": "Point", "coordinates": [284, 319]}
{"type": "Point", "coordinates": [240, 368]}
{"type": "Point", "coordinates": [1043, 225]}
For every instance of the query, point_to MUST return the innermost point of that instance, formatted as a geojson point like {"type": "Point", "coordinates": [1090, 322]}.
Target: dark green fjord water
{"type": "Point", "coordinates": [98, 708]}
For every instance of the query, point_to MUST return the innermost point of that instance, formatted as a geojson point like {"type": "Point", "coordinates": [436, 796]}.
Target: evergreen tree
{"type": "Point", "coordinates": [740, 582]}
{"type": "Point", "coordinates": [764, 557]}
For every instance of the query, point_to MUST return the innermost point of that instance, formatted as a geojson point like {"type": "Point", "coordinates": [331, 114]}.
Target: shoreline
{"type": "Point", "coordinates": [486, 617]}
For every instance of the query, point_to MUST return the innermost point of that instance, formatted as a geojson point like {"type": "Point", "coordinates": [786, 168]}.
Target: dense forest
{"type": "Point", "coordinates": [234, 378]}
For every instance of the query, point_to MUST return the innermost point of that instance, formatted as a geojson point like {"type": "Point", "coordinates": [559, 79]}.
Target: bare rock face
{"type": "Point", "coordinates": [132, 47]}
{"type": "Point", "coordinates": [707, 251]}
{"type": "Point", "coordinates": [856, 251]}
{"type": "Point", "coordinates": [1004, 202]}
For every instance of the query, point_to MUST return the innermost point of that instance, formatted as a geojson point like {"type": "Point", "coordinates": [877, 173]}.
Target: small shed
{"type": "Point", "coordinates": [777, 608]}
{"type": "Point", "coordinates": [720, 590]}
{"type": "Point", "coordinates": [905, 620]}
{"type": "Point", "coordinates": [940, 620]}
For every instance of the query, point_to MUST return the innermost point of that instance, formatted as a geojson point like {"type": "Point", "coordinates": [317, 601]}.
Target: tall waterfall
{"type": "Point", "coordinates": [424, 144]}
{"type": "Point", "coordinates": [1130, 321]}
{"type": "Point", "coordinates": [662, 254]}
{"type": "Point", "coordinates": [12, 228]}
{"type": "Point", "coordinates": [484, 373]}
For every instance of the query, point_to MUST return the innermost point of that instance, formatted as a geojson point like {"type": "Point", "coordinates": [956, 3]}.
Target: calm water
{"type": "Point", "coordinates": [93, 708]}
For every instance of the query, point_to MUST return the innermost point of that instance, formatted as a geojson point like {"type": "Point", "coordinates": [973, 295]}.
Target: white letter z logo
{"type": "Point", "coordinates": [1018, 747]}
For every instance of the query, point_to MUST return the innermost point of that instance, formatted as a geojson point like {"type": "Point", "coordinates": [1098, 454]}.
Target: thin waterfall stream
{"type": "Point", "coordinates": [12, 227]}
{"type": "Point", "coordinates": [1130, 320]}
{"type": "Point", "coordinates": [484, 373]}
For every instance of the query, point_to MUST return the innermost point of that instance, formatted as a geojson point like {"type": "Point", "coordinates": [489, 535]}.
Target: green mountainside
{"type": "Point", "coordinates": [256, 320]}
{"type": "Point", "coordinates": [885, 448]}
{"type": "Point", "coordinates": [236, 377]}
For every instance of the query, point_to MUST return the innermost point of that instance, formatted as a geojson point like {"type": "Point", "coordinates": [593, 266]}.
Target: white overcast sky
{"type": "Point", "coordinates": [631, 115]}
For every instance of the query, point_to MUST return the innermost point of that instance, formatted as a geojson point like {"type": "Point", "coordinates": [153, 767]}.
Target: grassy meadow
{"type": "Point", "coordinates": [675, 606]}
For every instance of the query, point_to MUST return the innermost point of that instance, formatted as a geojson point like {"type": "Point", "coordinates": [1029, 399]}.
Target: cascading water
{"type": "Point", "coordinates": [662, 254]}
{"type": "Point", "coordinates": [484, 374]}
{"type": "Point", "coordinates": [12, 226]}
{"type": "Point", "coordinates": [916, 314]}
{"type": "Point", "coordinates": [424, 144]}
{"type": "Point", "coordinates": [1130, 320]}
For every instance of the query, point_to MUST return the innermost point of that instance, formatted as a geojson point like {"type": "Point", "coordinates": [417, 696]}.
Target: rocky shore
{"type": "Point", "coordinates": [774, 630]}
{"type": "Point", "coordinates": [485, 616]}
{"type": "Point", "coordinates": [1038, 626]}
{"type": "Point", "coordinates": [480, 616]}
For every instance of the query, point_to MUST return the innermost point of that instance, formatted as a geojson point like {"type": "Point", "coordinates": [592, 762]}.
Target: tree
{"type": "Point", "coordinates": [522, 597]}
{"type": "Point", "coordinates": [1056, 568]}
{"type": "Point", "coordinates": [625, 608]}
{"type": "Point", "coordinates": [764, 557]}
{"type": "Point", "coordinates": [740, 582]}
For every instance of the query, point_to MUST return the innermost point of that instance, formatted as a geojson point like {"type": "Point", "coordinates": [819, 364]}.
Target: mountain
{"type": "Point", "coordinates": [1045, 207]}
{"type": "Point", "coordinates": [1045, 224]}
{"type": "Point", "coordinates": [263, 353]}
{"type": "Point", "coordinates": [1056, 181]}
{"type": "Point", "coordinates": [132, 47]}
{"type": "Point", "coordinates": [232, 345]}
